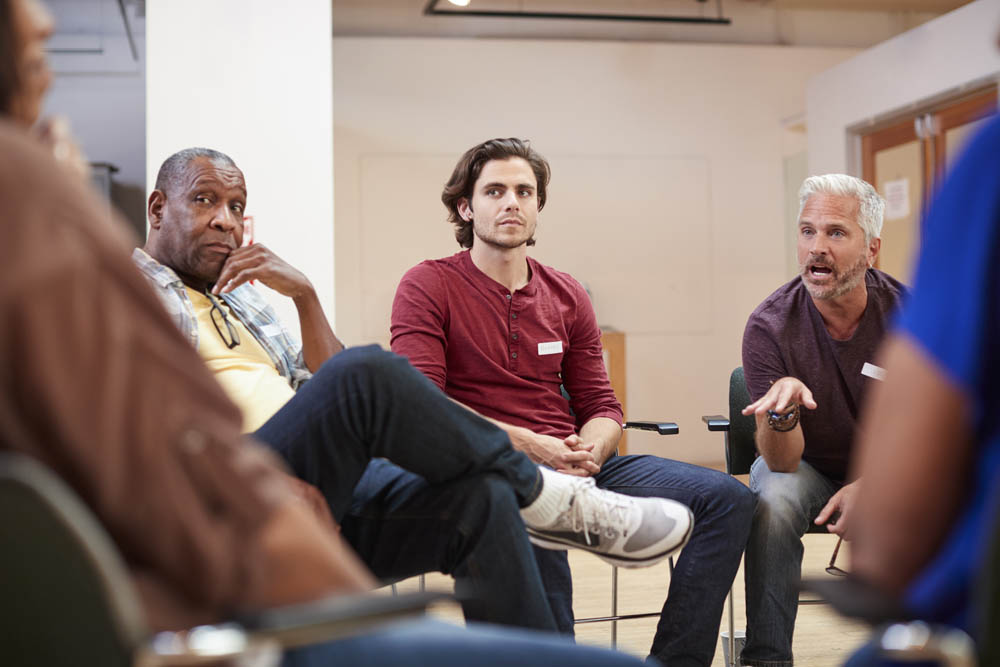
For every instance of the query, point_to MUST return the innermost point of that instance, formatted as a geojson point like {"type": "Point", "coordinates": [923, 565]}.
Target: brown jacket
{"type": "Point", "coordinates": [98, 384]}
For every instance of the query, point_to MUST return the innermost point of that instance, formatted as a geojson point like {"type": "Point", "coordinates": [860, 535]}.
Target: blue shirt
{"type": "Point", "coordinates": [954, 315]}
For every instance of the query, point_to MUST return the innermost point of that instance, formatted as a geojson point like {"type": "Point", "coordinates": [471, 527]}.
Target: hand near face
{"type": "Point", "coordinates": [783, 393]}
{"type": "Point", "coordinates": [258, 262]}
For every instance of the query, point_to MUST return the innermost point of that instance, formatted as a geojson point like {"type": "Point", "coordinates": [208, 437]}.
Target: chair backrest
{"type": "Point", "coordinates": [986, 599]}
{"type": "Point", "coordinates": [741, 449]}
{"type": "Point", "coordinates": [65, 595]}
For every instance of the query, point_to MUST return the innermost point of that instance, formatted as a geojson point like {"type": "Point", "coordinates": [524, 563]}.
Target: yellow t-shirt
{"type": "Point", "coordinates": [246, 372]}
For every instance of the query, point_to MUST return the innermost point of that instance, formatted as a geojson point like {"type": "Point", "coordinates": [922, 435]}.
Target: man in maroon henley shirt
{"type": "Point", "coordinates": [500, 332]}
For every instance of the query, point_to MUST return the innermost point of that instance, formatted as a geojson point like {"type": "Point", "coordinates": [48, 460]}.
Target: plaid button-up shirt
{"type": "Point", "coordinates": [246, 303]}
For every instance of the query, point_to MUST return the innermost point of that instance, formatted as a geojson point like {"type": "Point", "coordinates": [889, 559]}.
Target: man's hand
{"type": "Point", "coordinates": [570, 455]}
{"type": "Point", "coordinates": [783, 393]}
{"type": "Point", "coordinates": [782, 450]}
{"type": "Point", "coordinates": [258, 262]}
{"type": "Point", "coordinates": [839, 508]}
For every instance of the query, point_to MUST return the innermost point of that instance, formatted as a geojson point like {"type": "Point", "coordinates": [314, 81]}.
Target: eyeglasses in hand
{"type": "Point", "coordinates": [832, 567]}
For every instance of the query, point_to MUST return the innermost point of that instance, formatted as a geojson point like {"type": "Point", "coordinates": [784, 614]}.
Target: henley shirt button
{"type": "Point", "coordinates": [513, 355]}
{"type": "Point", "coordinates": [513, 316]}
{"type": "Point", "coordinates": [514, 336]}
{"type": "Point", "coordinates": [508, 297]}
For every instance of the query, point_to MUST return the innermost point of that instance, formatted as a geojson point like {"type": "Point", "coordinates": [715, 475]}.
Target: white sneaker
{"type": "Point", "coordinates": [623, 530]}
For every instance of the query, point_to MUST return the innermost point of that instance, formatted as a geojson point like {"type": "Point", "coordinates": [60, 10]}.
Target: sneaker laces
{"type": "Point", "coordinates": [594, 510]}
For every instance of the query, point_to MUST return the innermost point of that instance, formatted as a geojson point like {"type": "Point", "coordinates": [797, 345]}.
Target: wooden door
{"type": "Point", "coordinates": [907, 160]}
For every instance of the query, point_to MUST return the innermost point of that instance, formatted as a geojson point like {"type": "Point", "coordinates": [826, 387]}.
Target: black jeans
{"type": "Point", "coordinates": [455, 511]}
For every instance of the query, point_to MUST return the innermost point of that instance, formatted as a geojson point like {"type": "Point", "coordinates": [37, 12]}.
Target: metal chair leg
{"type": "Point", "coordinates": [732, 631]}
{"type": "Point", "coordinates": [615, 616]}
{"type": "Point", "coordinates": [614, 606]}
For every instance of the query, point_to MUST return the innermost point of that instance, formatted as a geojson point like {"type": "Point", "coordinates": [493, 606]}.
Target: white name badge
{"type": "Point", "coordinates": [555, 347]}
{"type": "Point", "coordinates": [873, 371]}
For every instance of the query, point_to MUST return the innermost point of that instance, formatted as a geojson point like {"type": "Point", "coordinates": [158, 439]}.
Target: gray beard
{"type": "Point", "coordinates": [842, 285]}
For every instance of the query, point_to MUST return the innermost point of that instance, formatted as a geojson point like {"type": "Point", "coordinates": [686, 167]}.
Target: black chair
{"type": "Point", "coordinates": [66, 597]}
{"type": "Point", "coordinates": [741, 451]}
{"type": "Point", "coordinates": [904, 639]}
{"type": "Point", "coordinates": [662, 428]}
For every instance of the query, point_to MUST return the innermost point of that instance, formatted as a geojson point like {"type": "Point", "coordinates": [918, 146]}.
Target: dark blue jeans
{"type": "Point", "coordinates": [723, 507]}
{"type": "Point", "coordinates": [787, 502]}
{"type": "Point", "coordinates": [456, 511]}
{"type": "Point", "coordinates": [434, 643]}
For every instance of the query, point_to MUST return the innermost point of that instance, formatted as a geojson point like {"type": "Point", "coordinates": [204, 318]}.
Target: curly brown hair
{"type": "Point", "coordinates": [463, 178]}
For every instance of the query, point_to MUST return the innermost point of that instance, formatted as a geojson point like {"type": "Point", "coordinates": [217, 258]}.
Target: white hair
{"type": "Point", "coordinates": [871, 205]}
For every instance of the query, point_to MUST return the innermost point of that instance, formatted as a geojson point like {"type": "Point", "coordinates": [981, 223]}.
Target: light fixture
{"type": "Point", "coordinates": [431, 9]}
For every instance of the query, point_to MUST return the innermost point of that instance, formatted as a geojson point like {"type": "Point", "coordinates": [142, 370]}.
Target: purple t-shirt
{"type": "Point", "coordinates": [786, 336]}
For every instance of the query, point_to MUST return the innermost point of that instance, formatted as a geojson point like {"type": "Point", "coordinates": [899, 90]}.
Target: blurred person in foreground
{"type": "Point", "coordinates": [929, 441]}
{"type": "Point", "coordinates": [100, 386]}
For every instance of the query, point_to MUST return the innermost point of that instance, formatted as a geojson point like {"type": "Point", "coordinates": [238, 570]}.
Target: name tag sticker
{"type": "Point", "coordinates": [873, 371]}
{"type": "Point", "coordinates": [555, 347]}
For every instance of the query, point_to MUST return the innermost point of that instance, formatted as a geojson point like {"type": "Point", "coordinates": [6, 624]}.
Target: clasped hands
{"type": "Point", "coordinates": [569, 455]}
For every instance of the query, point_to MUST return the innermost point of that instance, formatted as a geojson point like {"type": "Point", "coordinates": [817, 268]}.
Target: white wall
{"type": "Point", "coordinates": [666, 196]}
{"type": "Point", "coordinates": [953, 52]}
{"type": "Point", "coordinates": [253, 79]}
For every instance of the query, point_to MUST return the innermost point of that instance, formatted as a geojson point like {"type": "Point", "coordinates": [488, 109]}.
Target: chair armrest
{"type": "Point", "coordinates": [663, 428]}
{"type": "Point", "coordinates": [851, 597]}
{"type": "Point", "coordinates": [900, 637]}
{"type": "Point", "coordinates": [716, 422]}
{"type": "Point", "coordinates": [335, 617]}
{"type": "Point", "coordinates": [258, 638]}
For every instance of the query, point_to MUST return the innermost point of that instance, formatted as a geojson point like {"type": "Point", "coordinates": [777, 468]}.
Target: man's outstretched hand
{"type": "Point", "coordinates": [783, 393]}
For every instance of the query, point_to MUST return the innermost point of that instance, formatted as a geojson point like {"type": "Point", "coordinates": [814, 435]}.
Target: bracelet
{"type": "Point", "coordinates": [783, 422]}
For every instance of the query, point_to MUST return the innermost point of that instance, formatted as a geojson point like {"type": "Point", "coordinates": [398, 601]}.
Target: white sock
{"type": "Point", "coordinates": [550, 503]}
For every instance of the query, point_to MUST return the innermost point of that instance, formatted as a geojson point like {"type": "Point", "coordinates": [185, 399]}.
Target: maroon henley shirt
{"type": "Point", "coordinates": [505, 354]}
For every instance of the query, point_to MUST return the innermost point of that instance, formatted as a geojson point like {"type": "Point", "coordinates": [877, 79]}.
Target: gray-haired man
{"type": "Point", "coordinates": [808, 355]}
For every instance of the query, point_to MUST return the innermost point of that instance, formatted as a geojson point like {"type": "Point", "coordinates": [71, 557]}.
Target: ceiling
{"type": "Point", "coordinates": [88, 26]}
{"type": "Point", "coordinates": [848, 23]}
